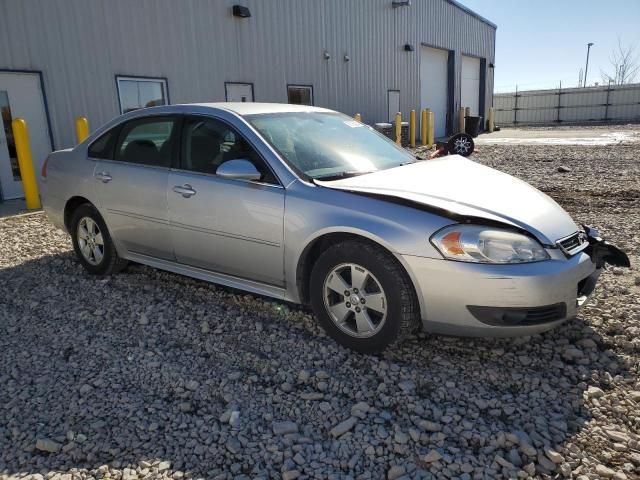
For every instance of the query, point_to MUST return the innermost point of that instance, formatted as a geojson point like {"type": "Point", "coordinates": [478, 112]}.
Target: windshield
{"type": "Point", "coordinates": [323, 145]}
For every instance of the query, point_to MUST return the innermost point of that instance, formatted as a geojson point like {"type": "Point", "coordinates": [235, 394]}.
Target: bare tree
{"type": "Point", "coordinates": [625, 64]}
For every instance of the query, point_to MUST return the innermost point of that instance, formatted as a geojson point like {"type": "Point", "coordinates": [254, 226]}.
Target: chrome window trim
{"type": "Point", "coordinates": [214, 176]}
{"type": "Point", "coordinates": [122, 162]}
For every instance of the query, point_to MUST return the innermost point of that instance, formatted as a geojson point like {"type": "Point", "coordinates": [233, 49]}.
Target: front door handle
{"type": "Point", "coordinates": [185, 190]}
{"type": "Point", "coordinates": [104, 177]}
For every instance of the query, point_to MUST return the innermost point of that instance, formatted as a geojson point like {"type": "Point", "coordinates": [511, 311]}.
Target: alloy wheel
{"type": "Point", "coordinates": [461, 146]}
{"type": "Point", "coordinates": [355, 300]}
{"type": "Point", "coordinates": [90, 241]}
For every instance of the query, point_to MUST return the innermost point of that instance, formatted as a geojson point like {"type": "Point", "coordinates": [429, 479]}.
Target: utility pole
{"type": "Point", "coordinates": [586, 68]}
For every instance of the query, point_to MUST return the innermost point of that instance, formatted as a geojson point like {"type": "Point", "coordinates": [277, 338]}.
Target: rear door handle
{"type": "Point", "coordinates": [104, 177]}
{"type": "Point", "coordinates": [185, 190]}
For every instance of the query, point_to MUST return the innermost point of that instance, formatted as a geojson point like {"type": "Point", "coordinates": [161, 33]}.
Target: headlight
{"type": "Point", "coordinates": [479, 244]}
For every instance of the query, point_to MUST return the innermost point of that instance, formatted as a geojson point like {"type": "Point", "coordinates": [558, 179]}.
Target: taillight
{"type": "Point", "coordinates": [43, 172]}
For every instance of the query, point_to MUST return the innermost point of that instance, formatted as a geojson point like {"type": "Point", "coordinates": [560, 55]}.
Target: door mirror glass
{"type": "Point", "coordinates": [238, 169]}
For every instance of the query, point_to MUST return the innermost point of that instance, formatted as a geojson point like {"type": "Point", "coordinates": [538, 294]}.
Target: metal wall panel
{"type": "Point", "coordinates": [501, 102]}
{"type": "Point", "coordinates": [627, 95]}
{"type": "Point", "coordinates": [592, 104]}
{"type": "Point", "coordinates": [197, 45]}
{"type": "Point", "coordinates": [537, 101]}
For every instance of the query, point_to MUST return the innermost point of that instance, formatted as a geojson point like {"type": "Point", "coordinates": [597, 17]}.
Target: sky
{"type": "Point", "coordinates": [542, 42]}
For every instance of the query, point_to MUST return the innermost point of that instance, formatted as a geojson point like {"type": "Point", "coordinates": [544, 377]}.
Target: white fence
{"type": "Point", "coordinates": [568, 105]}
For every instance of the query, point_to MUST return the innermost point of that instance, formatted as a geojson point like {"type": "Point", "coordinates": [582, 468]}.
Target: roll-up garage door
{"type": "Point", "coordinates": [433, 85]}
{"type": "Point", "coordinates": [470, 87]}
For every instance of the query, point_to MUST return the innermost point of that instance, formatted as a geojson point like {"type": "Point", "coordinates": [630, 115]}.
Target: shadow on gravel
{"type": "Point", "coordinates": [147, 366]}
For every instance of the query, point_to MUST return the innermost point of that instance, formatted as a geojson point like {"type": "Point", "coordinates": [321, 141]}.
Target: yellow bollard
{"type": "Point", "coordinates": [461, 120]}
{"type": "Point", "coordinates": [423, 126]}
{"type": "Point", "coordinates": [399, 128]}
{"type": "Point", "coordinates": [491, 119]}
{"type": "Point", "coordinates": [82, 129]}
{"type": "Point", "coordinates": [430, 129]}
{"type": "Point", "coordinates": [357, 117]}
{"type": "Point", "coordinates": [25, 162]}
{"type": "Point", "coordinates": [412, 129]}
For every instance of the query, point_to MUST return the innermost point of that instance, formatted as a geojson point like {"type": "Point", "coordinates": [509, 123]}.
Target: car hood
{"type": "Point", "coordinates": [466, 188]}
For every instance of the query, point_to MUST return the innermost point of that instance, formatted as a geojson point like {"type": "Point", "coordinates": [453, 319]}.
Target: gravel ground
{"type": "Point", "coordinates": [152, 375]}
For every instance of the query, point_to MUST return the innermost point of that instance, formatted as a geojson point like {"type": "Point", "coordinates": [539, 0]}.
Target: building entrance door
{"type": "Point", "coordinates": [21, 97]}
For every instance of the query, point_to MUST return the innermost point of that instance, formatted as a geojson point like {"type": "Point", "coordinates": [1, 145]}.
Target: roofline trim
{"type": "Point", "coordinates": [465, 9]}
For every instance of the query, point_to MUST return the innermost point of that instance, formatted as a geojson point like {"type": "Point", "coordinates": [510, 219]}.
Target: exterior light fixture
{"type": "Point", "coordinates": [408, 47]}
{"type": "Point", "coordinates": [240, 11]}
{"type": "Point", "coordinates": [401, 3]}
{"type": "Point", "coordinates": [326, 55]}
{"type": "Point", "coordinates": [346, 57]}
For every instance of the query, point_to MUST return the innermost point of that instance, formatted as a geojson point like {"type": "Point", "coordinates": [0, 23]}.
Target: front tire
{"type": "Point", "coordinates": [363, 297]}
{"type": "Point", "coordinates": [92, 242]}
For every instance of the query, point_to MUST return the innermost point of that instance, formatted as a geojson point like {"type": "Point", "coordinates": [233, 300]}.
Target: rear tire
{"type": "Point", "coordinates": [377, 306]}
{"type": "Point", "coordinates": [92, 242]}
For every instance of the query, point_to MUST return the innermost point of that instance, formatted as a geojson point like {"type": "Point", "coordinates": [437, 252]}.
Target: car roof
{"type": "Point", "coordinates": [254, 108]}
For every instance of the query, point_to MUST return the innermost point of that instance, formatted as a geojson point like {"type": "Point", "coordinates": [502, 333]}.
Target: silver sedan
{"type": "Point", "coordinates": [309, 206]}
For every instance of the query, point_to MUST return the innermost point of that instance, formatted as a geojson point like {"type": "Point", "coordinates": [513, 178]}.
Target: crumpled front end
{"type": "Point", "coordinates": [475, 299]}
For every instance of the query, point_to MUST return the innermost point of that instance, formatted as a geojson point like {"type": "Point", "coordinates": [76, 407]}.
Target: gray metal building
{"type": "Point", "coordinates": [65, 58]}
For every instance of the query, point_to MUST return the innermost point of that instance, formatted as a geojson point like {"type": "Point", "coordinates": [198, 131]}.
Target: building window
{"type": "Point", "coordinates": [300, 94]}
{"type": "Point", "coordinates": [138, 92]}
{"type": "Point", "coordinates": [238, 92]}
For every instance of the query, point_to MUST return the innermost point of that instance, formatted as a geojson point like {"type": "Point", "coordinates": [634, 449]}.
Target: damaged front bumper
{"type": "Point", "coordinates": [603, 252]}
{"type": "Point", "coordinates": [472, 299]}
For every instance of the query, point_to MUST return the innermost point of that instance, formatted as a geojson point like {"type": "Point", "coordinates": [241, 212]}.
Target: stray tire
{"type": "Point", "coordinates": [92, 242]}
{"type": "Point", "coordinates": [363, 297]}
{"type": "Point", "coordinates": [461, 144]}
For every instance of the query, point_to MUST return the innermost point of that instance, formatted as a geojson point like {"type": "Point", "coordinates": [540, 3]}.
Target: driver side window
{"type": "Point", "coordinates": [208, 143]}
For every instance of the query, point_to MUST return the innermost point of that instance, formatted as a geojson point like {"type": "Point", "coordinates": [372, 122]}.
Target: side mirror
{"type": "Point", "coordinates": [238, 170]}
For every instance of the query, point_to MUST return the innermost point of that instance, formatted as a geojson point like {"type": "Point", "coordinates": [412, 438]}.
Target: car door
{"type": "Point", "coordinates": [131, 183]}
{"type": "Point", "coordinates": [228, 226]}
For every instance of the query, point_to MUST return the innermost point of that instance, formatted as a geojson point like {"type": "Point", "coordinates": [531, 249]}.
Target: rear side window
{"type": "Point", "coordinates": [103, 146]}
{"type": "Point", "coordinates": [147, 141]}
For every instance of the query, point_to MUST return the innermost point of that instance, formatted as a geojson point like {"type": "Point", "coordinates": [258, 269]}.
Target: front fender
{"type": "Point", "coordinates": [312, 212]}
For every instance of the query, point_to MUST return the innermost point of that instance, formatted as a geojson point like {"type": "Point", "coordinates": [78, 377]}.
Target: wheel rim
{"type": "Point", "coordinates": [90, 241]}
{"type": "Point", "coordinates": [355, 300]}
{"type": "Point", "coordinates": [461, 146]}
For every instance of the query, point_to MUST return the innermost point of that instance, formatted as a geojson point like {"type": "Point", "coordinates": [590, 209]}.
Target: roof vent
{"type": "Point", "coordinates": [240, 11]}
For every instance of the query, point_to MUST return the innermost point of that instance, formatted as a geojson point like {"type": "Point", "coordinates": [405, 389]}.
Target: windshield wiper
{"type": "Point", "coordinates": [337, 176]}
